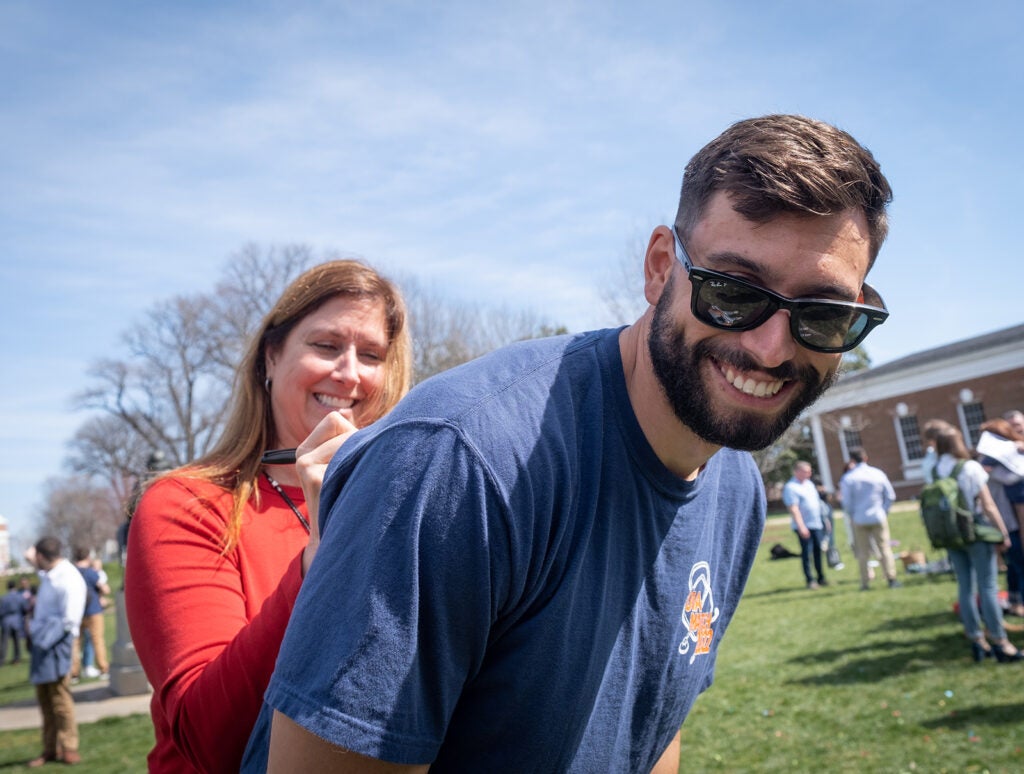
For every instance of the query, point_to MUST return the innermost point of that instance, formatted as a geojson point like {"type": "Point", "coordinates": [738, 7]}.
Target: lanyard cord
{"type": "Point", "coordinates": [298, 514]}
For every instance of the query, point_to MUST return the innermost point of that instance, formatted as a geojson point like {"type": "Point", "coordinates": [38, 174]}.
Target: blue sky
{"type": "Point", "coordinates": [510, 154]}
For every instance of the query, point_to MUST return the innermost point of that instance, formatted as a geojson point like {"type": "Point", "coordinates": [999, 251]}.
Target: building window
{"type": "Point", "coordinates": [971, 417]}
{"type": "Point", "coordinates": [910, 435]}
{"type": "Point", "coordinates": [848, 439]}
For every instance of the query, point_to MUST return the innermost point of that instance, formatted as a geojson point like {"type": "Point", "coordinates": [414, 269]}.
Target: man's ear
{"type": "Point", "coordinates": [659, 262]}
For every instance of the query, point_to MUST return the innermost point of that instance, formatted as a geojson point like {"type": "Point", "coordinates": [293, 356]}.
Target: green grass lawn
{"type": "Point", "coordinates": [843, 680]}
{"type": "Point", "coordinates": [828, 680]}
{"type": "Point", "coordinates": [110, 745]}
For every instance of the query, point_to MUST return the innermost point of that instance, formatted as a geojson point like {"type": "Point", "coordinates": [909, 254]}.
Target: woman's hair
{"type": "Point", "coordinates": [1001, 428]}
{"type": "Point", "coordinates": [234, 462]}
{"type": "Point", "coordinates": [947, 438]}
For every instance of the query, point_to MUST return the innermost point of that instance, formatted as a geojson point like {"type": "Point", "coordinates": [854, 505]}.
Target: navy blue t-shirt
{"type": "Point", "coordinates": [509, 579]}
{"type": "Point", "coordinates": [93, 606]}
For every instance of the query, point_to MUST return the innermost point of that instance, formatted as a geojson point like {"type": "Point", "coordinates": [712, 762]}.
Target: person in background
{"type": "Point", "coordinates": [800, 496]}
{"type": "Point", "coordinates": [1007, 489]}
{"type": "Point", "coordinates": [104, 581]}
{"type": "Point", "coordinates": [60, 604]}
{"type": "Point", "coordinates": [92, 622]}
{"type": "Point", "coordinates": [867, 497]}
{"type": "Point", "coordinates": [88, 648]}
{"type": "Point", "coordinates": [833, 558]}
{"type": "Point", "coordinates": [838, 495]}
{"type": "Point", "coordinates": [529, 565]}
{"type": "Point", "coordinates": [12, 621]}
{"type": "Point", "coordinates": [1016, 420]}
{"type": "Point", "coordinates": [28, 592]}
{"type": "Point", "coordinates": [975, 565]}
{"type": "Point", "coordinates": [217, 550]}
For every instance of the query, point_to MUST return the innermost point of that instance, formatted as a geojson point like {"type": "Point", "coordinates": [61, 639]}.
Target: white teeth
{"type": "Point", "coordinates": [332, 402]}
{"type": "Point", "coordinates": [751, 387]}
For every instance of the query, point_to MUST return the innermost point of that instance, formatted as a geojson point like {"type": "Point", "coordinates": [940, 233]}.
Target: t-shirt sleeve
{"type": "Point", "coordinates": [186, 601]}
{"type": "Point", "coordinates": [789, 496]}
{"type": "Point", "coordinates": [971, 479]}
{"type": "Point", "coordinates": [395, 612]}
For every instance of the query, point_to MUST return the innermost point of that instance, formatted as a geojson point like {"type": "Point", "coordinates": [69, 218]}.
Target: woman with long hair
{"type": "Point", "coordinates": [217, 549]}
{"type": "Point", "coordinates": [975, 565]}
{"type": "Point", "coordinates": [1007, 489]}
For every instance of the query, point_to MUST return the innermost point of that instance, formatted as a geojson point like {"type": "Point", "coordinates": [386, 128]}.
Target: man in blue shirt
{"type": "Point", "coordinates": [801, 497]}
{"type": "Point", "coordinates": [530, 563]}
{"type": "Point", "coordinates": [92, 621]}
{"type": "Point", "coordinates": [12, 621]}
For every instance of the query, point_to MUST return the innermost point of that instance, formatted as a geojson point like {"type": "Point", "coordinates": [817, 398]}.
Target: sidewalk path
{"type": "Point", "coordinates": [93, 701]}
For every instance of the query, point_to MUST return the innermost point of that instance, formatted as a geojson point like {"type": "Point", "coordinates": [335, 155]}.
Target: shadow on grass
{"type": "Point", "coordinates": [836, 587]}
{"type": "Point", "coordinates": [900, 654]}
{"type": "Point", "coordinates": [977, 715]}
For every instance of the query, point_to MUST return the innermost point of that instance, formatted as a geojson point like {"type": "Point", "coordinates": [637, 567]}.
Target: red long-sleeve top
{"type": "Point", "coordinates": [206, 624]}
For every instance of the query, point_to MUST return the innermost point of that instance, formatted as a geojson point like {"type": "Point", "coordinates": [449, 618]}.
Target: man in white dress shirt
{"type": "Point", "coordinates": [867, 496]}
{"type": "Point", "coordinates": [60, 604]}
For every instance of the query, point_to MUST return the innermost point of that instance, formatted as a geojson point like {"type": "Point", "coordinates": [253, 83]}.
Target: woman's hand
{"type": "Point", "coordinates": [311, 459]}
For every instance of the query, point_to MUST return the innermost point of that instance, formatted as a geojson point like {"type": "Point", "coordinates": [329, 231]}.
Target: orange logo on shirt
{"type": "Point", "coordinates": [699, 613]}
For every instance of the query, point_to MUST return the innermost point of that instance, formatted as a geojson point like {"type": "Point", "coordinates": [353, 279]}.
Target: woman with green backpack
{"type": "Point", "coordinates": [975, 564]}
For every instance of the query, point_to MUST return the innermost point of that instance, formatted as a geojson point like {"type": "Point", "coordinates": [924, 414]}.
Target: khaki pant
{"type": "Point", "coordinates": [60, 731]}
{"type": "Point", "coordinates": [94, 625]}
{"type": "Point", "coordinates": [867, 537]}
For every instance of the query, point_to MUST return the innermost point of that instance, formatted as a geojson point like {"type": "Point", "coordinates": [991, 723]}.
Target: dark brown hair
{"type": "Point", "coordinates": [49, 548]}
{"type": "Point", "coordinates": [947, 439]}
{"type": "Point", "coordinates": [786, 164]}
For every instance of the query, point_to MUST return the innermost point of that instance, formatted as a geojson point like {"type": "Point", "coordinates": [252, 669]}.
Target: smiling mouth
{"type": "Point", "coordinates": [333, 403]}
{"type": "Point", "coordinates": [750, 386]}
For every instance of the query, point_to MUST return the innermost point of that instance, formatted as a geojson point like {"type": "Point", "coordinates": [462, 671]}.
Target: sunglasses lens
{"type": "Point", "coordinates": [726, 304]}
{"type": "Point", "coordinates": [733, 304]}
{"type": "Point", "coordinates": [830, 327]}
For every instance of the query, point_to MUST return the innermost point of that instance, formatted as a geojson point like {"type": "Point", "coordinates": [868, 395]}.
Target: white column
{"type": "Point", "coordinates": [821, 452]}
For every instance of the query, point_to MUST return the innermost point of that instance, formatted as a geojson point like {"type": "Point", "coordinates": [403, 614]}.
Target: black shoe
{"type": "Point", "coordinates": [895, 584]}
{"type": "Point", "coordinates": [980, 652]}
{"type": "Point", "coordinates": [822, 582]}
{"type": "Point", "coordinates": [1004, 657]}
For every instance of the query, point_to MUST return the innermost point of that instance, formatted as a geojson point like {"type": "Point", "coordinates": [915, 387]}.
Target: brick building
{"type": "Point", "coordinates": [883, 409]}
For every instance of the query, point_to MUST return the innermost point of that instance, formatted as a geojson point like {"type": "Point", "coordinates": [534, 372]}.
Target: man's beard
{"type": "Point", "coordinates": [677, 366]}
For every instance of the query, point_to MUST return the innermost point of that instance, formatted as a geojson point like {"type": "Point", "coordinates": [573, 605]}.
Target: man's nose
{"type": "Point", "coordinates": [771, 343]}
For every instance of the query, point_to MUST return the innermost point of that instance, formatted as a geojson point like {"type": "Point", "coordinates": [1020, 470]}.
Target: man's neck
{"type": "Point", "coordinates": [677, 446]}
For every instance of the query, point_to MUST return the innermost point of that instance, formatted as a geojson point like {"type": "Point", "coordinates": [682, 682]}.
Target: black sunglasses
{"type": "Point", "coordinates": [820, 324]}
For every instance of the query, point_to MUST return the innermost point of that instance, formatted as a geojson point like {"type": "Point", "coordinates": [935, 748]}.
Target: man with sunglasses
{"type": "Point", "coordinates": [529, 565]}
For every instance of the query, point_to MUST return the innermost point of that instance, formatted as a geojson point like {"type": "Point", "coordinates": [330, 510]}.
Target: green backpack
{"type": "Point", "coordinates": [947, 517]}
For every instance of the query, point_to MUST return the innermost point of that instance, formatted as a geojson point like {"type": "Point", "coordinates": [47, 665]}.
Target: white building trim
{"type": "Point", "coordinates": [865, 389]}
